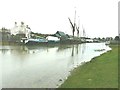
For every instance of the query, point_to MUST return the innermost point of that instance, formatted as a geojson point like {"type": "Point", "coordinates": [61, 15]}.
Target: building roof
{"type": "Point", "coordinates": [61, 33]}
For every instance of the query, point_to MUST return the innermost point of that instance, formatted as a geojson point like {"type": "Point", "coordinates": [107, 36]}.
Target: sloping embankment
{"type": "Point", "coordinates": [101, 72]}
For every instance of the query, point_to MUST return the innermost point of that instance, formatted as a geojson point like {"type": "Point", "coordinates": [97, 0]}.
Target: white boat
{"type": "Point", "coordinates": [107, 42]}
{"type": "Point", "coordinates": [34, 41]}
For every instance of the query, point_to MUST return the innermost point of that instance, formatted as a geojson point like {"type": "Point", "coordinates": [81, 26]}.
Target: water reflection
{"type": "Point", "coordinates": [83, 48]}
{"type": "Point", "coordinates": [4, 51]}
{"type": "Point", "coordinates": [77, 49]}
{"type": "Point", "coordinates": [72, 51]}
{"type": "Point", "coordinates": [43, 66]}
{"type": "Point", "coordinates": [33, 49]}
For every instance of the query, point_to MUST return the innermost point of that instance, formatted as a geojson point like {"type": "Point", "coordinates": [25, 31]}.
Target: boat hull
{"type": "Point", "coordinates": [53, 43]}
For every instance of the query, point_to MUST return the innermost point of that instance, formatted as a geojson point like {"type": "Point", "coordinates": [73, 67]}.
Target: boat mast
{"type": "Point", "coordinates": [84, 34]}
{"type": "Point", "coordinates": [73, 25]}
{"type": "Point", "coordinates": [78, 28]}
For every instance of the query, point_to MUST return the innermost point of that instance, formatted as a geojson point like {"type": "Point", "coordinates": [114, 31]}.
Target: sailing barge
{"type": "Point", "coordinates": [57, 38]}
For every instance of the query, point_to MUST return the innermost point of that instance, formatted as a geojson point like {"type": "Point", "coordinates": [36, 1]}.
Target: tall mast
{"type": "Point", "coordinates": [73, 28]}
{"type": "Point", "coordinates": [74, 23]}
{"type": "Point", "coordinates": [84, 35]}
{"type": "Point", "coordinates": [78, 27]}
{"type": "Point", "coordinates": [71, 23]}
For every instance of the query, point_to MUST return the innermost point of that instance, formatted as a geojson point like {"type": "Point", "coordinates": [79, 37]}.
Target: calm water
{"type": "Point", "coordinates": [41, 66]}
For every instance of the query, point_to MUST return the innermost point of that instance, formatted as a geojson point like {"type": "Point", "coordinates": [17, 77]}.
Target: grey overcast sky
{"type": "Point", "coordinates": [98, 17]}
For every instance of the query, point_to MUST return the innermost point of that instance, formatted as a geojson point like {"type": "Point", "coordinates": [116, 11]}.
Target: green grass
{"type": "Point", "coordinates": [101, 72]}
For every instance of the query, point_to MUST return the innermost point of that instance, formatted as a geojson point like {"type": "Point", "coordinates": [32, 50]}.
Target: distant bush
{"type": "Point", "coordinates": [117, 38]}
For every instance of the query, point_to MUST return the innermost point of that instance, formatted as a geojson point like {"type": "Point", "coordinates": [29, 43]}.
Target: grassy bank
{"type": "Point", "coordinates": [101, 72]}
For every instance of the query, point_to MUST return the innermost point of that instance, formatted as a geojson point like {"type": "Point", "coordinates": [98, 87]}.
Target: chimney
{"type": "Point", "coordinates": [15, 24]}
{"type": "Point", "coordinates": [22, 23]}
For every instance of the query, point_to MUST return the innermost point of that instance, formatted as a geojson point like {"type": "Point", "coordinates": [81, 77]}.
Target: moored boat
{"type": "Point", "coordinates": [32, 41]}
{"type": "Point", "coordinates": [107, 42]}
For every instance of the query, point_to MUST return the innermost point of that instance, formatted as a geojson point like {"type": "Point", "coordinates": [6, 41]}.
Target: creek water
{"type": "Point", "coordinates": [44, 66]}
